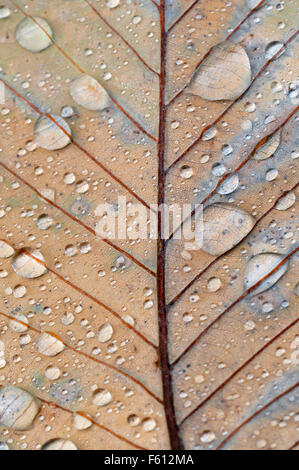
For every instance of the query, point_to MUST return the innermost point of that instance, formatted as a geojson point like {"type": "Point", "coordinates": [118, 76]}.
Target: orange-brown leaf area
{"type": "Point", "coordinates": [140, 343]}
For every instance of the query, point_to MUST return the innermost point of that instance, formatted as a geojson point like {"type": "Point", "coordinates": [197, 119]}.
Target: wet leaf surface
{"type": "Point", "coordinates": [144, 343]}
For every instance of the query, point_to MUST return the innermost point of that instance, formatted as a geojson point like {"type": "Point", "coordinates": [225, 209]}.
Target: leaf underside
{"type": "Point", "coordinates": [161, 346]}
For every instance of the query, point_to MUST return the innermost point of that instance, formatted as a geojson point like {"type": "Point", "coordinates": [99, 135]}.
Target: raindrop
{"type": "Point", "coordinates": [229, 185]}
{"type": "Point", "coordinates": [29, 264]}
{"type": "Point", "coordinates": [52, 134]}
{"type": "Point", "coordinates": [273, 48]}
{"type": "Point", "coordinates": [80, 422]}
{"type": "Point", "coordinates": [186, 172]}
{"type": "Point", "coordinates": [286, 202]}
{"type": "Point", "coordinates": [5, 12]}
{"type": "Point", "coordinates": [102, 397]}
{"type": "Point", "coordinates": [52, 373]}
{"type": "Point", "coordinates": [268, 149]}
{"type": "Point", "coordinates": [59, 444]}
{"type": "Point", "coordinates": [149, 424]}
{"type": "Point", "coordinates": [224, 227]}
{"type": "Point", "coordinates": [48, 345]}
{"type": "Point", "coordinates": [214, 284]}
{"type": "Point", "coordinates": [260, 266]}
{"type": "Point", "coordinates": [105, 333]}
{"type": "Point", "coordinates": [44, 222]}
{"type": "Point", "coordinates": [224, 75]}
{"type": "Point", "coordinates": [207, 437]}
{"type": "Point", "coordinates": [112, 3]}
{"type": "Point", "coordinates": [6, 251]}
{"type": "Point", "coordinates": [34, 34]}
{"type": "Point", "coordinates": [17, 408]}
{"type": "Point", "coordinates": [88, 93]}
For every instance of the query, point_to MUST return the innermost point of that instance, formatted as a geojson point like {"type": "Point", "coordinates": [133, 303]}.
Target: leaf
{"type": "Point", "coordinates": [137, 342]}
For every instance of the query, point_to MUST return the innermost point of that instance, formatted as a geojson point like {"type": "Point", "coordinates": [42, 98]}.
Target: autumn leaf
{"type": "Point", "coordinates": [148, 342]}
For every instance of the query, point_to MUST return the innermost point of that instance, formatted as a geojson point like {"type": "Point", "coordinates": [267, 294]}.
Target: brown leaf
{"type": "Point", "coordinates": [139, 342]}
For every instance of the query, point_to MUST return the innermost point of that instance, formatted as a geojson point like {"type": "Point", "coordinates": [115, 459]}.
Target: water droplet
{"type": "Point", "coordinates": [260, 266]}
{"type": "Point", "coordinates": [52, 372]}
{"type": "Point", "coordinates": [88, 93]}
{"type": "Point", "coordinates": [67, 112]}
{"type": "Point", "coordinates": [6, 251]}
{"type": "Point", "coordinates": [59, 444]}
{"type": "Point", "coordinates": [229, 185]}
{"type": "Point", "coordinates": [80, 422]}
{"type": "Point", "coordinates": [17, 408]}
{"type": "Point", "coordinates": [48, 345]}
{"type": "Point", "coordinates": [112, 3]}
{"type": "Point", "coordinates": [149, 424]}
{"type": "Point", "coordinates": [102, 397]}
{"type": "Point", "coordinates": [19, 292]}
{"type": "Point", "coordinates": [105, 333]}
{"type": "Point", "coordinates": [214, 284]}
{"type": "Point", "coordinates": [268, 148]}
{"type": "Point", "coordinates": [186, 172]}
{"type": "Point", "coordinates": [224, 226]}
{"type": "Point", "coordinates": [224, 75]}
{"type": "Point", "coordinates": [219, 169]}
{"type": "Point", "coordinates": [5, 12]}
{"type": "Point", "coordinates": [35, 34]}
{"type": "Point", "coordinates": [4, 446]}
{"type": "Point", "coordinates": [29, 264]}
{"type": "Point", "coordinates": [271, 174]}
{"type": "Point", "coordinates": [207, 437]}
{"type": "Point", "coordinates": [273, 48]}
{"type": "Point", "coordinates": [286, 202]}
{"type": "Point", "coordinates": [44, 222]}
{"type": "Point", "coordinates": [49, 134]}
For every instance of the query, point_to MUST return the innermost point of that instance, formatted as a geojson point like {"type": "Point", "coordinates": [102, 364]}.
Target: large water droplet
{"type": "Point", "coordinates": [17, 408]}
{"type": "Point", "coordinates": [87, 92]}
{"type": "Point", "coordinates": [273, 48]}
{"type": "Point", "coordinates": [229, 185]}
{"type": "Point", "coordinates": [29, 264]}
{"type": "Point", "coordinates": [102, 397]}
{"type": "Point", "coordinates": [260, 266]}
{"type": "Point", "coordinates": [105, 333]}
{"type": "Point", "coordinates": [268, 149]}
{"type": "Point", "coordinates": [52, 134]}
{"type": "Point", "coordinates": [6, 251]}
{"type": "Point", "coordinates": [48, 345]}
{"type": "Point", "coordinates": [35, 34]}
{"type": "Point", "coordinates": [224, 226]}
{"type": "Point", "coordinates": [286, 202]}
{"type": "Point", "coordinates": [59, 444]}
{"type": "Point", "coordinates": [224, 75]}
{"type": "Point", "coordinates": [5, 12]}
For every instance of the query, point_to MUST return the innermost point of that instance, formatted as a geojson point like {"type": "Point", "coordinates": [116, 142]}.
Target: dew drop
{"type": "Point", "coordinates": [29, 264]}
{"type": "Point", "coordinates": [5, 12]}
{"type": "Point", "coordinates": [105, 333]}
{"type": "Point", "coordinates": [80, 422]}
{"type": "Point", "coordinates": [48, 345]}
{"type": "Point", "coordinates": [18, 408]}
{"type": "Point", "coordinates": [224, 75]}
{"type": "Point", "coordinates": [59, 444]}
{"type": "Point", "coordinates": [186, 172]}
{"type": "Point", "coordinates": [52, 372]}
{"type": "Point", "coordinates": [6, 251]}
{"type": "Point", "coordinates": [273, 48]}
{"type": "Point", "coordinates": [229, 185]}
{"type": "Point", "coordinates": [52, 134]}
{"type": "Point", "coordinates": [260, 266]}
{"type": "Point", "coordinates": [35, 34]}
{"type": "Point", "coordinates": [88, 93]}
{"type": "Point", "coordinates": [102, 397]}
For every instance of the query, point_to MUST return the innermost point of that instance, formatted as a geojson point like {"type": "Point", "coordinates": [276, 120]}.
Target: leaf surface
{"type": "Point", "coordinates": [139, 342]}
